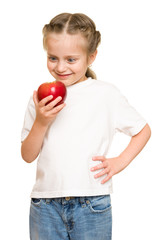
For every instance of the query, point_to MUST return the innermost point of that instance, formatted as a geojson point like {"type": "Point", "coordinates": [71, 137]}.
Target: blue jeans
{"type": "Point", "coordinates": [79, 218]}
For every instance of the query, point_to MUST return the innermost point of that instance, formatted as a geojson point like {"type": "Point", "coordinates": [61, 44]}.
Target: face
{"type": "Point", "coordinates": [67, 58]}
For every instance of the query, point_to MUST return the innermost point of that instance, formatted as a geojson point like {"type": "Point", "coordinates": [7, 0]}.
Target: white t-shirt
{"type": "Point", "coordinates": [94, 111]}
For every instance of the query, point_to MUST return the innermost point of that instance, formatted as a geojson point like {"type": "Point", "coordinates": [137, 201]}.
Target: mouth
{"type": "Point", "coordinates": [62, 76]}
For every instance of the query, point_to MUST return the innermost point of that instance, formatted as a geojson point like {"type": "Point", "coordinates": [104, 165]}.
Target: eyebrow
{"type": "Point", "coordinates": [71, 55]}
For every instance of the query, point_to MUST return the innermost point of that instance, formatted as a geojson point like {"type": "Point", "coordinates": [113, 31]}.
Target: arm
{"type": "Point", "coordinates": [31, 146]}
{"type": "Point", "coordinates": [45, 114]}
{"type": "Point", "coordinates": [112, 166]}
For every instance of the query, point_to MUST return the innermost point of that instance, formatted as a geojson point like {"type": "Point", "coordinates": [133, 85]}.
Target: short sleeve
{"type": "Point", "coordinates": [28, 119]}
{"type": "Point", "coordinates": [127, 119]}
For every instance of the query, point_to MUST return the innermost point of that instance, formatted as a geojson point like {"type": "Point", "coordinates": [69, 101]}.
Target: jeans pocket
{"type": "Point", "coordinates": [99, 204]}
{"type": "Point", "coordinates": [36, 201]}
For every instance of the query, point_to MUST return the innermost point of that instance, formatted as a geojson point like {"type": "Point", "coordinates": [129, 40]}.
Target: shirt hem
{"type": "Point", "coordinates": [139, 128]}
{"type": "Point", "coordinates": [70, 194]}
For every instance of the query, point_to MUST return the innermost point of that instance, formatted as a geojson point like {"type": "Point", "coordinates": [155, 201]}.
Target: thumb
{"type": "Point", "coordinates": [35, 98]}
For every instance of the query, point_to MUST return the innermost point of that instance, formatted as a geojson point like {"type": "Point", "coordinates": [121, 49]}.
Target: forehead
{"type": "Point", "coordinates": [65, 42]}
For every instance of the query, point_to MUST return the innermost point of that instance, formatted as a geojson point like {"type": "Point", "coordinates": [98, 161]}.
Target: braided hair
{"type": "Point", "coordinates": [73, 24]}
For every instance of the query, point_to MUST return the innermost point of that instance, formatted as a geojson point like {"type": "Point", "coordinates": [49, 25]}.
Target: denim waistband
{"type": "Point", "coordinates": [64, 200]}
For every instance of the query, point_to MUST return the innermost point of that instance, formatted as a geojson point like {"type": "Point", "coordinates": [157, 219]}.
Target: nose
{"type": "Point", "coordinates": [61, 67]}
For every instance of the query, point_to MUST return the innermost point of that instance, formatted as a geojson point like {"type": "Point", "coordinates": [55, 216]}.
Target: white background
{"type": "Point", "coordinates": [128, 57]}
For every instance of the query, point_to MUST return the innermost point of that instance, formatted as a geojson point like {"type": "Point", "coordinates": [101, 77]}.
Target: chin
{"type": "Point", "coordinates": [67, 83]}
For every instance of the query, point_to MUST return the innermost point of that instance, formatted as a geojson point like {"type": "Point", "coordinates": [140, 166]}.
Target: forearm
{"type": "Point", "coordinates": [112, 166]}
{"type": "Point", "coordinates": [31, 146]}
{"type": "Point", "coordinates": [45, 115]}
{"type": "Point", "coordinates": [135, 146]}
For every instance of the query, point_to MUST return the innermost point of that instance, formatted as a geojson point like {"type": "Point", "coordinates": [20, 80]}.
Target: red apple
{"type": "Point", "coordinates": [55, 88]}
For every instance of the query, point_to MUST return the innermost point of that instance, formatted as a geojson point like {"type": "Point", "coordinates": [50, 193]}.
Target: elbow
{"type": "Point", "coordinates": [148, 131]}
{"type": "Point", "coordinates": [26, 159]}
{"type": "Point", "coordinates": [25, 156]}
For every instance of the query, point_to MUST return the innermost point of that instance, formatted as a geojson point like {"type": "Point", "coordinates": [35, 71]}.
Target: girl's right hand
{"type": "Point", "coordinates": [45, 114]}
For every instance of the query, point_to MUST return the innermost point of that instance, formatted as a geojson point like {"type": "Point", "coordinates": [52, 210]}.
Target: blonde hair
{"type": "Point", "coordinates": [73, 24]}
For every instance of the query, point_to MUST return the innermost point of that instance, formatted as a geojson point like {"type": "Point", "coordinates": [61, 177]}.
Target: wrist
{"type": "Point", "coordinates": [127, 156]}
{"type": "Point", "coordinates": [41, 126]}
{"type": "Point", "coordinates": [124, 160]}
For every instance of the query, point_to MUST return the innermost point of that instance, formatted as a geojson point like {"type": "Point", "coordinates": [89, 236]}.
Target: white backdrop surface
{"type": "Point", "coordinates": [127, 57]}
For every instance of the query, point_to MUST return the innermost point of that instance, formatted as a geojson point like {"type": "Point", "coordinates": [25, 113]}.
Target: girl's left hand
{"type": "Point", "coordinates": [108, 166]}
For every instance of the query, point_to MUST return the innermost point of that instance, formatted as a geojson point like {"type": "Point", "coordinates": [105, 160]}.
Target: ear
{"type": "Point", "coordinates": [92, 57]}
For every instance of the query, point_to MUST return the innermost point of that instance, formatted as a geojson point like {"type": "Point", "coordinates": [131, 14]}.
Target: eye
{"type": "Point", "coordinates": [52, 58]}
{"type": "Point", "coordinates": [71, 60]}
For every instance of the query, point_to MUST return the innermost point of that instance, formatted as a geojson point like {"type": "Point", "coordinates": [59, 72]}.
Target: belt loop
{"type": "Point", "coordinates": [82, 200]}
{"type": "Point", "coordinates": [62, 200]}
{"type": "Point", "coordinates": [47, 200]}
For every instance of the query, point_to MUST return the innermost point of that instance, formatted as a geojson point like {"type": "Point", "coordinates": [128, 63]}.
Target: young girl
{"type": "Point", "coordinates": [71, 196]}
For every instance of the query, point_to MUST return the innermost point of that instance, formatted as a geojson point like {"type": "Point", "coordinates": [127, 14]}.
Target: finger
{"type": "Point", "coordinates": [98, 158]}
{"type": "Point", "coordinates": [99, 166]}
{"type": "Point", "coordinates": [57, 109]}
{"type": "Point", "coordinates": [107, 178]}
{"type": "Point", "coordinates": [43, 102]}
{"type": "Point", "coordinates": [35, 98]}
{"type": "Point", "coordinates": [105, 171]}
{"type": "Point", "coordinates": [53, 103]}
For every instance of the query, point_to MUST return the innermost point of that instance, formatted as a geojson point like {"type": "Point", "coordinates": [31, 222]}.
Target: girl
{"type": "Point", "coordinates": [71, 196]}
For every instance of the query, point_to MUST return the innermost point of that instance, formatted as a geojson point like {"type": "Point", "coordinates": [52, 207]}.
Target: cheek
{"type": "Point", "coordinates": [81, 67]}
{"type": "Point", "coordinates": [49, 65]}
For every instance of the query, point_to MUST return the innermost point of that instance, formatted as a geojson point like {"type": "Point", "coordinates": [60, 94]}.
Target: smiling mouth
{"type": "Point", "coordinates": [63, 75]}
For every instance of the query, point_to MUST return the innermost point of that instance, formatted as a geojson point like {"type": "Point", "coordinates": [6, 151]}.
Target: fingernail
{"type": "Point", "coordinates": [92, 168]}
